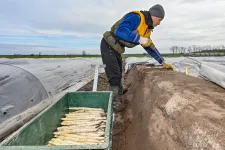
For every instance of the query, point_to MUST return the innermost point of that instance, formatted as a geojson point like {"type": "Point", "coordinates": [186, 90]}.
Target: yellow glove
{"type": "Point", "coordinates": [145, 42]}
{"type": "Point", "coordinates": [167, 66]}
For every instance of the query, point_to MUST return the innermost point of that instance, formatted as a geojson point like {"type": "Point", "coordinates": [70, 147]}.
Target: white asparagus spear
{"type": "Point", "coordinates": [76, 139]}
{"type": "Point", "coordinates": [86, 108]}
{"type": "Point", "coordinates": [86, 111]}
{"type": "Point", "coordinates": [81, 127]}
{"type": "Point", "coordinates": [83, 136]}
{"type": "Point", "coordinates": [85, 115]}
{"type": "Point", "coordinates": [55, 141]}
{"type": "Point", "coordinates": [62, 129]}
{"type": "Point", "coordinates": [91, 134]}
{"type": "Point", "coordinates": [92, 123]}
{"type": "Point", "coordinates": [68, 142]}
{"type": "Point", "coordinates": [98, 133]}
{"type": "Point", "coordinates": [87, 118]}
{"type": "Point", "coordinates": [96, 137]}
{"type": "Point", "coordinates": [84, 122]}
{"type": "Point", "coordinates": [76, 131]}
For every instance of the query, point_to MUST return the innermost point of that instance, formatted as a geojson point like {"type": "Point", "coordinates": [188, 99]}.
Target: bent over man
{"type": "Point", "coordinates": [133, 29]}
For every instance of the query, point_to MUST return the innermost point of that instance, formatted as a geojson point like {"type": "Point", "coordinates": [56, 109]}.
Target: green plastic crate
{"type": "Point", "coordinates": [37, 132]}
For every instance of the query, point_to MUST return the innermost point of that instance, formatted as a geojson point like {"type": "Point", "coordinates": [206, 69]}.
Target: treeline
{"type": "Point", "coordinates": [197, 49]}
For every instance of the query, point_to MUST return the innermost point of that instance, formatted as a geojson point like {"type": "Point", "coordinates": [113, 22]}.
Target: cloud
{"type": "Point", "coordinates": [77, 24]}
{"type": "Point", "coordinates": [11, 49]}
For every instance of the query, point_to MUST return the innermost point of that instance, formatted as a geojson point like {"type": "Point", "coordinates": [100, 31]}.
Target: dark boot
{"type": "Point", "coordinates": [122, 90]}
{"type": "Point", "coordinates": [115, 90]}
{"type": "Point", "coordinates": [117, 99]}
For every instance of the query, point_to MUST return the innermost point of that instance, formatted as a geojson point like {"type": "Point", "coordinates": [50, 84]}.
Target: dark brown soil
{"type": "Point", "coordinates": [102, 84]}
{"type": "Point", "coordinates": [168, 110]}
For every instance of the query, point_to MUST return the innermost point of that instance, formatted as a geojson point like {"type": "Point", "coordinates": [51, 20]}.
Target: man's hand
{"type": "Point", "coordinates": [145, 42]}
{"type": "Point", "coordinates": [167, 66]}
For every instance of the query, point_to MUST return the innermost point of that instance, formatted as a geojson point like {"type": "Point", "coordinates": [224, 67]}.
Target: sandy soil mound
{"type": "Point", "coordinates": [169, 110]}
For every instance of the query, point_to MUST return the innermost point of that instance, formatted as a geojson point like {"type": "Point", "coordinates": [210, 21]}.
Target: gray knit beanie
{"type": "Point", "coordinates": [157, 10]}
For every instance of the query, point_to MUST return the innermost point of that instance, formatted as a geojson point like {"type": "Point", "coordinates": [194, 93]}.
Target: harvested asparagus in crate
{"type": "Point", "coordinates": [81, 126]}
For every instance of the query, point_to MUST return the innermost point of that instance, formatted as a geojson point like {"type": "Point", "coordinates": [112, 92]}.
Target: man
{"type": "Point", "coordinates": [131, 30]}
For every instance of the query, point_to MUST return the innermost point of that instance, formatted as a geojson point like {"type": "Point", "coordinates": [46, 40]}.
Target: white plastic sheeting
{"type": "Point", "coordinates": [214, 73]}
{"type": "Point", "coordinates": [26, 82]}
{"type": "Point", "coordinates": [12, 93]}
{"type": "Point", "coordinates": [208, 68]}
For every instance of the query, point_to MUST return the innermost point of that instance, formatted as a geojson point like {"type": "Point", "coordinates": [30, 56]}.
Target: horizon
{"type": "Point", "coordinates": [72, 26]}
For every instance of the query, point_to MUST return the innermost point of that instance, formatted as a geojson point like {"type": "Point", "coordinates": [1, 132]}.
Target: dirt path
{"type": "Point", "coordinates": [167, 111]}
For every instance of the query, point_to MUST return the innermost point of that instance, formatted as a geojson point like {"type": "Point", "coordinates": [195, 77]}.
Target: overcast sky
{"type": "Point", "coordinates": [70, 26]}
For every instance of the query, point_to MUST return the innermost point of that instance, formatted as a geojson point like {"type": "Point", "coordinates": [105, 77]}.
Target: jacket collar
{"type": "Point", "coordinates": [148, 19]}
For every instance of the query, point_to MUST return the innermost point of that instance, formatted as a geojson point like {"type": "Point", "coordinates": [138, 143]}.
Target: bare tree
{"type": "Point", "coordinates": [179, 49]}
{"type": "Point", "coordinates": [176, 49]}
{"type": "Point", "coordinates": [209, 47]}
{"type": "Point", "coordinates": [213, 47]}
{"type": "Point", "coordinates": [199, 48]}
{"type": "Point", "coordinates": [194, 48]}
{"type": "Point", "coordinates": [205, 48]}
{"type": "Point", "coordinates": [223, 47]}
{"type": "Point", "coordinates": [183, 50]}
{"type": "Point", "coordinates": [189, 49]}
{"type": "Point", "coordinates": [84, 53]}
{"type": "Point", "coordinates": [172, 49]}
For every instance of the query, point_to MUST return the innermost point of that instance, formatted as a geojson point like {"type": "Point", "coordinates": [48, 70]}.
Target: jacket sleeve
{"type": "Point", "coordinates": [125, 28]}
{"type": "Point", "coordinates": [155, 54]}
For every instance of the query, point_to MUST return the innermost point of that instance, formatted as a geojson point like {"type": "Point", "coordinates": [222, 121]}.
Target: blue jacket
{"type": "Point", "coordinates": [124, 31]}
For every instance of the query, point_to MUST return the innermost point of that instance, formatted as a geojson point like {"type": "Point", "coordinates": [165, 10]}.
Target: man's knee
{"type": "Point", "coordinates": [115, 81]}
